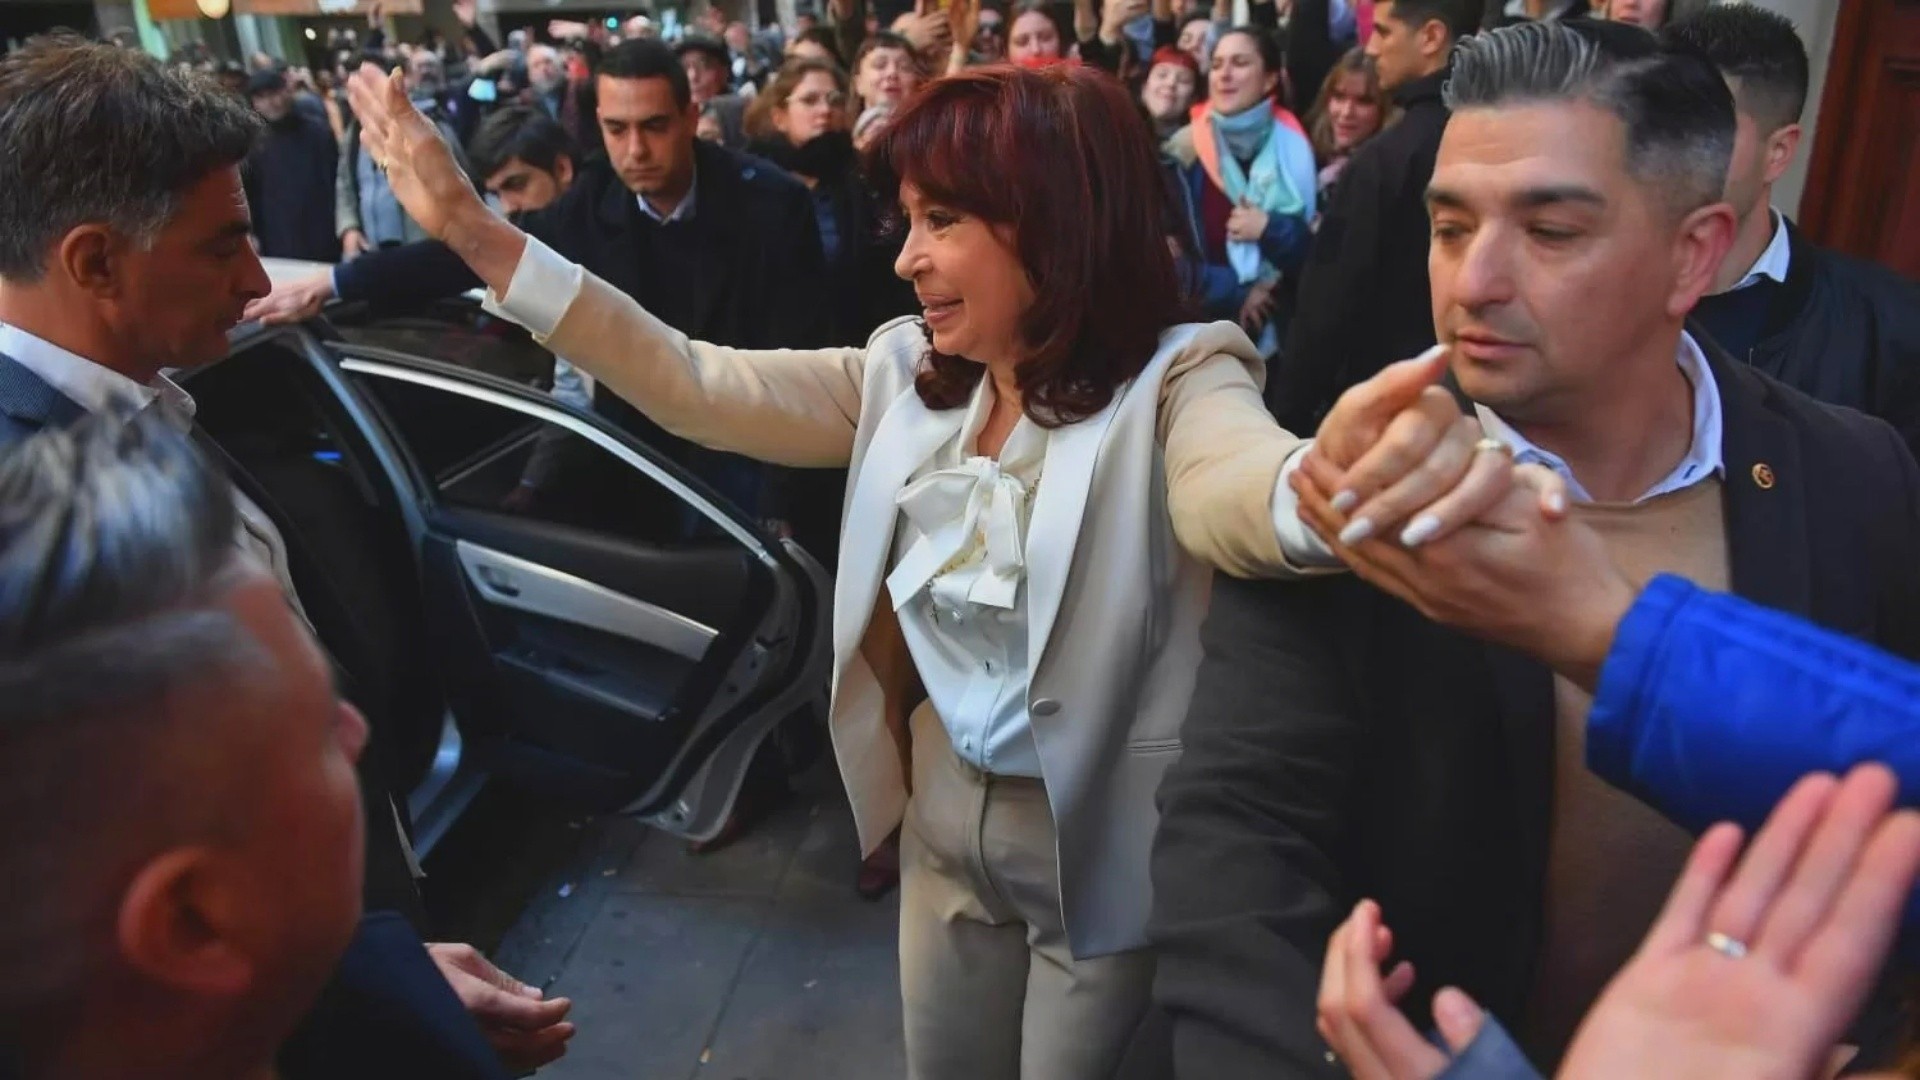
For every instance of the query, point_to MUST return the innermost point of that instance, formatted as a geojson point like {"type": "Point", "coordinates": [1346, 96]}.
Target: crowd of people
{"type": "Point", "coordinates": [1327, 515]}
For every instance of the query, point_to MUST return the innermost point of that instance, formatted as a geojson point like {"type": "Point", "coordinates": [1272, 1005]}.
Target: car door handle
{"type": "Point", "coordinates": [496, 580]}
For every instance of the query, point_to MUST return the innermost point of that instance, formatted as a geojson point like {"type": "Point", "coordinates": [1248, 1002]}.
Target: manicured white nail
{"type": "Point", "coordinates": [1557, 501]}
{"type": "Point", "coordinates": [1436, 350]}
{"type": "Point", "coordinates": [1357, 530]}
{"type": "Point", "coordinates": [1343, 501]}
{"type": "Point", "coordinates": [1419, 531]}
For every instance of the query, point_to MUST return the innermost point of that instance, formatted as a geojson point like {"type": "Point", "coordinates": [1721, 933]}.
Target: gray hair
{"type": "Point", "coordinates": [91, 132]}
{"type": "Point", "coordinates": [1676, 108]}
{"type": "Point", "coordinates": [116, 546]}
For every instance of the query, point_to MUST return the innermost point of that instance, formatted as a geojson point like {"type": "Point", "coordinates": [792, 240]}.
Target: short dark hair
{"type": "Point", "coordinates": [1076, 172]}
{"type": "Point", "coordinates": [525, 132]}
{"type": "Point", "coordinates": [91, 132]}
{"type": "Point", "coordinates": [1756, 46]}
{"type": "Point", "coordinates": [824, 38]}
{"type": "Point", "coordinates": [1460, 17]}
{"type": "Point", "coordinates": [647, 58]}
{"type": "Point", "coordinates": [1675, 106]}
{"type": "Point", "coordinates": [711, 47]}
{"type": "Point", "coordinates": [116, 546]}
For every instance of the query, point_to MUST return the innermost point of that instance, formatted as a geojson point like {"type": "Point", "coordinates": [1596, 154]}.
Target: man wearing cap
{"type": "Point", "coordinates": [290, 176]}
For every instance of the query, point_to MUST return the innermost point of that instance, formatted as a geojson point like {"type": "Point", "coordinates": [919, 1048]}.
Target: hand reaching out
{"type": "Point", "coordinates": [1359, 1012]}
{"type": "Point", "coordinates": [1802, 928]}
{"type": "Point", "coordinates": [524, 1026]}
{"type": "Point", "coordinates": [293, 302]}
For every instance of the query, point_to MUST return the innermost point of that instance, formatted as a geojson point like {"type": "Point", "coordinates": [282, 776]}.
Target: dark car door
{"type": "Point", "coordinates": [607, 629]}
{"type": "Point", "coordinates": [601, 627]}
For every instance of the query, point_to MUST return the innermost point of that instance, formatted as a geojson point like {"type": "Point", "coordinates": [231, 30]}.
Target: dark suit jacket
{"type": "Point", "coordinates": [758, 283]}
{"type": "Point", "coordinates": [420, 1019]}
{"type": "Point", "coordinates": [1340, 746]}
{"type": "Point", "coordinates": [1364, 300]}
{"type": "Point", "coordinates": [1845, 331]}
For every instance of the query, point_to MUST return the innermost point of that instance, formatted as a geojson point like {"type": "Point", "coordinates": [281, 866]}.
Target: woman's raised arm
{"type": "Point", "coordinates": [791, 407]}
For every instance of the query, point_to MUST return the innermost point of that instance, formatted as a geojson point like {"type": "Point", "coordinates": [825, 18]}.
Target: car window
{"type": "Point", "coordinates": [478, 455]}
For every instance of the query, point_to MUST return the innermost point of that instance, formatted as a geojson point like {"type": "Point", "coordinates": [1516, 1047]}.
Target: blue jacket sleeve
{"type": "Point", "coordinates": [420, 271]}
{"type": "Point", "coordinates": [1710, 707]}
{"type": "Point", "coordinates": [1284, 242]}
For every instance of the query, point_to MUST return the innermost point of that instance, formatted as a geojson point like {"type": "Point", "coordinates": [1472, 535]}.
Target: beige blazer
{"type": "Point", "coordinates": [1174, 477]}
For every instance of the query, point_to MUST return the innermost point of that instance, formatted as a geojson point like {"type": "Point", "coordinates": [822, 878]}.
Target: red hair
{"type": "Point", "coordinates": [1062, 155]}
{"type": "Point", "coordinates": [1168, 54]}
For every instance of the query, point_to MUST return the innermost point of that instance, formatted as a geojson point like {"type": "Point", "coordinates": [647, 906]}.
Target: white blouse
{"type": "Point", "coordinates": [959, 587]}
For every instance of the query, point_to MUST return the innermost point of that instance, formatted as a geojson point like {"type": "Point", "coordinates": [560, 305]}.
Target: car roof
{"type": "Point", "coordinates": [286, 271]}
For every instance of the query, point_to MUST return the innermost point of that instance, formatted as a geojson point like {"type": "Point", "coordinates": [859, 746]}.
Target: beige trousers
{"type": "Point", "coordinates": [990, 989]}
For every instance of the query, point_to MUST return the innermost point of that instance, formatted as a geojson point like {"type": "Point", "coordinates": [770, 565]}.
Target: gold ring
{"type": "Point", "coordinates": [1488, 442]}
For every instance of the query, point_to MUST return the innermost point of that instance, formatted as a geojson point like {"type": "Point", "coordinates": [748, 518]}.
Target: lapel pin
{"type": "Point", "coordinates": [1763, 476]}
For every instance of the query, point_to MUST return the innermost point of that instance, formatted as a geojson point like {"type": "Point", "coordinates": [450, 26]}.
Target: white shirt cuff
{"type": "Point", "coordinates": [1301, 545]}
{"type": "Point", "coordinates": [543, 288]}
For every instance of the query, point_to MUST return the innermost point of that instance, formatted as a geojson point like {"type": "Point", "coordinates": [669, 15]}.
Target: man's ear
{"type": "Point", "coordinates": [1700, 246]}
{"type": "Point", "coordinates": [90, 256]}
{"type": "Point", "coordinates": [1781, 146]}
{"type": "Point", "coordinates": [181, 924]}
{"type": "Point", "coordinates": [1435, 39]}
{"type": "Point", "coordinates": [563, 170]}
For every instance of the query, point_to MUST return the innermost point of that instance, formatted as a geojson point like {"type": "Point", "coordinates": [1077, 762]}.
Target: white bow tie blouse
{"type": "Point", "coordinates": [959, 588]}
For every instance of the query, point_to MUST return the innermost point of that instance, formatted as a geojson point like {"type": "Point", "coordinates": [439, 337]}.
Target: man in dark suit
{"type": "Point", "coordinates": [1843, 330]}
{"type": "Point", "coordinates": [1340, 745]}
{"type": "Point", "coordinates": [1362, 297]}
{"type": "Point", "coordinates": [124, 253]}
{"type": "Point", "coordinates": [720, 246]}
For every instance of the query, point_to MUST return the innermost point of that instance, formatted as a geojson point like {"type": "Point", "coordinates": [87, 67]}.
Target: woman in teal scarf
{"type": "Point", "coordinates": [1250, 175]}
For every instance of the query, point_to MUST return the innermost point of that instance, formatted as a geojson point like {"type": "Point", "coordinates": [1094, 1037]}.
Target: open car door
{"type": "Point", "coordinates": [607, 630]}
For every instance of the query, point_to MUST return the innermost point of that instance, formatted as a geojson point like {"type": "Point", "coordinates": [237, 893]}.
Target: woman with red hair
{"type": "Point", "coordinates": [1044, 466]}
{"type": "Point", "coordinates": [1172, 81]}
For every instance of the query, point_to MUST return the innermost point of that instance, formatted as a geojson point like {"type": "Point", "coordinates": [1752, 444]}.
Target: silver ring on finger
{"type": "Point", "coordinates": [1727, 945]}
{"type": "Point", "coordinates": [1489, 444]}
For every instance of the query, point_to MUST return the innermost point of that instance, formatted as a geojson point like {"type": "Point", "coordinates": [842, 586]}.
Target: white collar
{"type": "Point", "coordinates": [681, 212]}
{"type": "Point", "coordinates": [94, 387]}
{"type": "Point", "coordinates": [1703, 458]}
{"type": "Point", "coordinates": [1774, 261]}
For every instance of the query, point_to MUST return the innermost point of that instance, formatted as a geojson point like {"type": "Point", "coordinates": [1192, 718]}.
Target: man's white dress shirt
{"type": "Point", "coordinates": [98, 389]}
{"type": "Point", "coordinates": [1703, 458]}
{"type": "Point", "coordinates": [1774, 261]}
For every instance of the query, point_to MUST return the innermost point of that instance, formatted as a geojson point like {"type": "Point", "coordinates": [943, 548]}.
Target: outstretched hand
{"type": "Point", "coordinates": [1359, 1014]}
{"type": "Point", "coordinates": [1801, 928]}
{"type": "Point", "coordinates": [419, 165]}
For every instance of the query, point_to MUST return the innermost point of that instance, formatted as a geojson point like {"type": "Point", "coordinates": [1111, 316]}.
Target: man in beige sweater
{"type": "Point", "coordinates": [1342, 745]}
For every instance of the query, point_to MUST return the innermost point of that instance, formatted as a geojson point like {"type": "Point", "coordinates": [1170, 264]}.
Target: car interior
{"type": "Point", "coordinates": [600, 624]}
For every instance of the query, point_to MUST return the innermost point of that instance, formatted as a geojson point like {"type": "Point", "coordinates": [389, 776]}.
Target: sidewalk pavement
{"type": "Point", "coordinates": [756, 962]}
